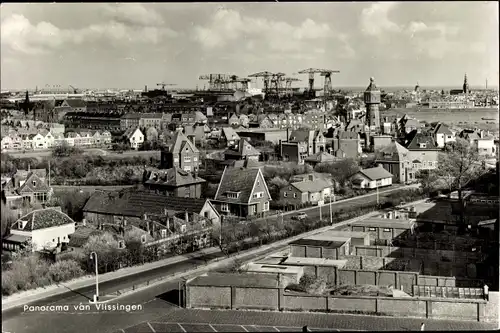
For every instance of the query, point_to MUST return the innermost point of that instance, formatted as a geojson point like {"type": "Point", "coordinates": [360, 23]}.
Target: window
{"type": "Point", "coordinates": [258, 182]}
{"type": "Point", "coordinates": [387, 230]}
{"type": "Point", "coordinates": [295, 195]}
{"type": "Point", "coordinates": [187, 168]}
{"type": "Point", "coordinates": [143, 239]}
{"type": "Point", "coordinates": [224, 207]}
{"type": "Point", "coordinates": [233, 195]}
{"type": "Point", "coordinates": [266, 206]}
{"type": "Point", "coordinates": [176, 160]}
{"type": "Point", "coordinates": [195, 159]}
{"type": "Point", "coordinates": [163, 233]}
{"type": "Point", "coordinates": [257, 195]}
{"type": "Point", "coordinates": [285, 194]}
{"type": "Point", "coordinates": [289, 188]}
{"type": "Point", "coordinates": [34, 183]}
{"type": "Point", "coordinates": [121, 244]}
{"type": "Point", "coordinates": [372, 229]}
{"type": "Point", "coordinates": [187, 158]}
{"type": "Point", "coordinates": [183, 228]}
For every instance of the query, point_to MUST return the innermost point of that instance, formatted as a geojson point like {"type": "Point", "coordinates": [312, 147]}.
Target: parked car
{"type": "Point", "coordinates": [300, 216]}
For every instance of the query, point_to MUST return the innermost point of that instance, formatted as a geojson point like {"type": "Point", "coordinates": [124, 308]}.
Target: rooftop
{"type": "Point", "coordinates": [378, 222]}
{"type": "Point", "coordinates": [317, 242]}
{"type": "Point", "coordinates": [236, 280]}
{"type": "Point", "coordinates": [314, 262]}
{"type": "Point", "coordinates": [43, 218]}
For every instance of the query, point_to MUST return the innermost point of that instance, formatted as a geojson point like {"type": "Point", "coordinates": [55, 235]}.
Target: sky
{"type": "Point", "coordinates": [130, 45]}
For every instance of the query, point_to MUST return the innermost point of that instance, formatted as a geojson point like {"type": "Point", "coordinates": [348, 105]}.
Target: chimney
{"type": "Point", "coordinates": [124, 222]}
{"type": "Point", "coordinates": [147, 226]}
{"type": "Point", "coordinates": [145, 217]}
{"type": "Point", "coordinates": [193, 139]}
{"type": "Point", "coordinates": [186, 217]}
{"type": "Point", "coordinates": [84, 222]}
{"type": "Point", "coordinates": [481, 134]}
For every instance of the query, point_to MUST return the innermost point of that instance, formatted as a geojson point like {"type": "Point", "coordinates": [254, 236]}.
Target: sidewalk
{"type": "Point", "coordinates": [42, 293]}
{"type": "Point", "coordinates": [28, 296]}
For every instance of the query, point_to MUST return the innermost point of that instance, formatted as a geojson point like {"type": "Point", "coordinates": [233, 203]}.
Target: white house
{"type": "Point", "coordinates": [372, 178]}
{"type": "Point", "coordinates": [6, 142]}
{"type": "Point", "coordinates": [442, 135]}
{"type": "Point", "coordinates": [49, 138]}
{"type": "Point", "coordinates": [135, 137]}
{"type": "Point", "coordinates": [39, 141]}
{"type": "Point", "coordinates": [45, 228]}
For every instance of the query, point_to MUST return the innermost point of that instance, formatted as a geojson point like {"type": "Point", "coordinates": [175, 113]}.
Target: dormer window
{"type": "Point", "coordinates": [423, 145]}
{"type": "Point", "coordinates": [34, 182]}
{"type": "Point", "coordinates": [233, 195]}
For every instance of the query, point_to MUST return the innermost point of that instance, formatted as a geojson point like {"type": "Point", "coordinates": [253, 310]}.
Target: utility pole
{"type": "Point", "coordinates": [96, 296]}
{"type": "Point", "coordinates": [377, 196]}
{"type": "Point", "coordinates": [331, 214]}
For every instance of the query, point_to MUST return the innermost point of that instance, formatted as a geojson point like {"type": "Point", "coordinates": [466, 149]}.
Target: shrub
{"type": "Point", "coordinates": [65, 270]}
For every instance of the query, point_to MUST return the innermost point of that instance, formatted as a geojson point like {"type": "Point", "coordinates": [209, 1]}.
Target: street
{"type": "Point", "coordinates": [157, 300]}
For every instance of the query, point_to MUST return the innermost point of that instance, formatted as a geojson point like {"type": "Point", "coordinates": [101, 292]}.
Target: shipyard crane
{"type": "Point", "coordinates": [234, 80]}
{"type": "Point", "coordinates": [75, 91]}
{"type": "Point", "coordinates": [266, 76]}
{"type": "Point", "coordinates": [277, 83]}
{"type": "Point", "coordinates": [288, 84]}
{"type": "Point", "coordinates": [216, 81]}
{"type": "Point", "coordinates": [163, 85]}
{"type": "Point", "coordinates": [323, 72]}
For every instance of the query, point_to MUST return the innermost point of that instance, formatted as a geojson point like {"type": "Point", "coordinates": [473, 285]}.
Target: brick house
{"type": "Point", "coordinates": [301, 144]}
{"type": "Point", "coordinates": [174, 182]}
{"type": "Point", "coordinates": [182, 153]}
{"type": "Point", "coordinates": [422, 150]}
{"type": "Point", "coordinates": [130, 120]}
{"type": "Point", "coordinates": [242, 192]}
{"type": "Point", "coordinates": [312, 189]}
{"type": "Point", "coordinates": [396, 159]}
{"type": "Point", "coordinates": [346, 144]}
{"type": "Point", "coordinates": [30, 186]}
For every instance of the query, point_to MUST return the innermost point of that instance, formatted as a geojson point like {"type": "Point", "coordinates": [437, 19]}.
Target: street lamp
{"type": "Point", "coordinates": [96, 296]}
{"type": "Point", "coordinates": [331, 213]}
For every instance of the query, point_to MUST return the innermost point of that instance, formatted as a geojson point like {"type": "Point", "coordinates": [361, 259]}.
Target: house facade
{"type": "Point", "coordinates": [396, 159]}
{"type": "Point", "coordinates": [372, 178]}
{"type": "Point", "coordinates": [46, 229]}
{"type": "Point", "coordinates": [301, 144]}
{"type": "Point", "coordinates": [422, 150]}
{"type": "Point", "coordinates": [135, 137]}
{"type": "Point", "coordinates": [442, 135]}
{"type": "Point", "coordinates": [313, 190]}
{"type": "Point", "coordinates": [242, 192]}
{"type": "Point", "coordinates": [175, 182]}
{"type": "Point", "coordinates": [182, 153]}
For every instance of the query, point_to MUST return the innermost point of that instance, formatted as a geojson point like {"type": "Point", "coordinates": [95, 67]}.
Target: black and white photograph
{"type": "Point", "coordinates": [268, 166]}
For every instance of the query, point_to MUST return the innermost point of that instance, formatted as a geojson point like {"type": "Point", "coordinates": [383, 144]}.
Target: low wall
{"type": "Point", "coordinates": [424, 254]}
{"type": "Point", "coordinates": [277, 300]}
{"type": "Point", "coordinates": [375, 263]}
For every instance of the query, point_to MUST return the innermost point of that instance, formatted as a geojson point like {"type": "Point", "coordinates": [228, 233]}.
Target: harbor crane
{"type": "Point", "coordinates": [216, 81]}
{"type": "Point", "coordinates": [277, 80]}
{"type": "Point", "coordinates": [288, 84]}
{"type": "Point", "coordinates": [266, 76]}
{"type": "Point", "coordinates": [75, 90]}
{"type": "Point", "coordinates": [234, 80]}
{"type": "Point", "coordinates": [327, 73]}
{"type": "Point", "coordinates": [163, 85]}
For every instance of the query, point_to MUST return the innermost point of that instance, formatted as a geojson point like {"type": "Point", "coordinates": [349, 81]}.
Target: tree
{"type": "Point", "coordinates": [458, 166]}
{"type": "Point", "coordinates": [275, 185]}
{"type": "Point", "coordinates": [8, 217]}
{"type": "Point", "coordinates": [340, 170]}
{"type": "Point", "coordinates": [65, 150]}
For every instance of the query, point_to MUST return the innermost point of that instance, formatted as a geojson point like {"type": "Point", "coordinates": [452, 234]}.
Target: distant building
{"type": "Point", "coordinates": [346, 144]}
{"type": "Point", "coordinates": [30, 186]}
{"type": "Point", "coordinates": [396, 159]}
{"type": "Point", "coordinates": [135, 137]}
{"type": "Point", "coordinates": [442, 135]}
{"type": "Point", "coordinates": [372, 102]}
{"type": "Point", "coordinates": [422, 150]}
{"type": "Point", "coordinates": [310, 190]}
{"type": "Point", "coordinates": [130, 120]}
{"type": "Point", "coordinates": [301, 144]}
{"type": "Point", "coordinates": [244, 151]}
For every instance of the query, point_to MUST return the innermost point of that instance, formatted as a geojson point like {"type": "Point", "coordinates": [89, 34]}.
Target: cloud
{"type": "Point", "coordinates": [229, 26]}
{"type": "Point", "coordinates": [375, 20]}
{"type": "Point", "coordinates": [20, 35]}
{"type": "Point", "coordinates": [132, 14]}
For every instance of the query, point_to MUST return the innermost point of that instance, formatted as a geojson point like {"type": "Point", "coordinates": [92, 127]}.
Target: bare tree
{"type": "Point", "coordinates": [458, 166]}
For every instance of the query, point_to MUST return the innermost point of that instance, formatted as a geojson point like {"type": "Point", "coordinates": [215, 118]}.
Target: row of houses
{"type": "Point", "coordinates": [44, 139]}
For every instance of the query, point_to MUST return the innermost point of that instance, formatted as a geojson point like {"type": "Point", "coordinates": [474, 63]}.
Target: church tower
{"type": "Point", "coordinates": [372, 102]}
{"type": "Point", "coordinates": [465, 87]}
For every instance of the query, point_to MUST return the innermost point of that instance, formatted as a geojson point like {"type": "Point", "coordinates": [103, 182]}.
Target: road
{"type": "Point", "coordinates": [158, 298]}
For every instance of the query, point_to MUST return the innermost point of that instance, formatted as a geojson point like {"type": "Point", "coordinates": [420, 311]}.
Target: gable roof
{"type": "Point", "coordinates": [244, 149]}
{"type": "Point", "coordinates": [33, 183]}
{"type": "Point", "coordinates": [230, 134]}
{"type": "Point", "coordinates": [396, 150]}
{"type": "Point", "coordinates": [173, 177]}
{"type": "Point", "coordinates": [43, 218]}
{"type": "Point", "coordinates": [321, 157]}
{"type": "Point", "coordinates": [130, 132]}
{"type": "Point", "coordinates": [312, 186]}
{"type": "Point", "coordinates": [300, 135]}
{"type": "Point", "coordinates": [442, 129]}
{"type": "Point", "coordinates": [376, 173]}
{"type": "Point", "coordinates": [136, 203]}
{"type": "Point", "coordinates": [180, 142]}
{"type": "Point", "coordinates": [237, 180]}
{"type": "Point", "coordinates": [415, 138]}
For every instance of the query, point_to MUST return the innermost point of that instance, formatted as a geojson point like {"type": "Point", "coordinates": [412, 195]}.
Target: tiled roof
{"type": "Point", "coordinates": [180, 141]}
{"type": "Point", "coordinates": [132, 115]}
{"type": "Point", "coordinates": [395, 150]}
{"type": "Point", "coordinates": [312, 186]}
{"type": "Point", "coordinates": [237, 180]}
{"type": "Point", "coordinates": [415, 138]}
{"type": "Point", "coordinates": [321, 157]}
{"type": "Point", "coordinates": [136, 203]}
{"type": "Point", "coordinates": [443, 129]}
{"type": "Point", "coordinates": [173, 177]}
{"type": "Point", "coordinates": [236, 280]}
{"type": "Point", "coordinates": [318, 242]}
{"type": "Point", "coordinates": [43, 218]}
{"type": "Point", "coordinates": [230, 134]}
{"type": "Point", "coordinates": [300, 135]}
{"type": "Point", "coordinates": [376, 173]}
{"type": "Point", "coordinates": [244, 149]}
{"type": "Point", "coordinates": [151, 115]}
{"type": "Point", "coordinates": [81, 235]}
{"type": "Point", "coordinates": [76, 103]}
{"type": "Point", "coordinates": [33, 183]}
